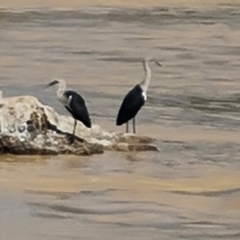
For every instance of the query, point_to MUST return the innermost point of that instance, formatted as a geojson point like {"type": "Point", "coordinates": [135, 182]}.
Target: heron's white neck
{"type": "Point", "coordinates": [147, 76]}
{"type": "Point", "coordinates": [61, 89]}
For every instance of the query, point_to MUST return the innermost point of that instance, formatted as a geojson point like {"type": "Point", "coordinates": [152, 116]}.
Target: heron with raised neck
{"type": "Point", "coordinates": [135, 98]}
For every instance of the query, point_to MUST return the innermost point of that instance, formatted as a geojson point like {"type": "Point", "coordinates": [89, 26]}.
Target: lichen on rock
{"type": "Point", "coordinates": [29, 127]}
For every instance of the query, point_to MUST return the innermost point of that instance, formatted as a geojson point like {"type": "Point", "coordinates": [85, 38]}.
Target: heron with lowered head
{"type": "Point", "coordinates": [73, 102]}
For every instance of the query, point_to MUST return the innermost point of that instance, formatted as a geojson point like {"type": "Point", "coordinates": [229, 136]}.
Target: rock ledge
{"type": "Point", "coordinates": [29, 127]}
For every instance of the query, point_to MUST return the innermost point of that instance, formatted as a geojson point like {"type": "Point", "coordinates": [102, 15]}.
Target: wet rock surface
{"type": "Point", "coordinates": [125, 147]}
{"type": "Point", "coordinates": [29, 127]}
{"type": "Point", "coordinates": [49, 145]}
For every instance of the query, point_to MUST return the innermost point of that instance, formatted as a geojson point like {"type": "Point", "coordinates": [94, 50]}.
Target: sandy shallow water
{"type": "Point", "coordinates": [190, 189]}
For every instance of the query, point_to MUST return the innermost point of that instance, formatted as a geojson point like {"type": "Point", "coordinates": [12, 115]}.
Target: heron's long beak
{"type": "Point", "coordinates": [158, 63]}
{"type": "Point", "coordinates": [52, 83]}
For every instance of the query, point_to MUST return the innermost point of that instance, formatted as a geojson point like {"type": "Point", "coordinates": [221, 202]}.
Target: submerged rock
{"type": "Point", "coordinates": [126, 147]}
{"type": "Point", "coordinates": [29, 127]}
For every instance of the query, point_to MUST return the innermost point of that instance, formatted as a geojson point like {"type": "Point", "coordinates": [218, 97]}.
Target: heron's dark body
{"type": "Point", "coordinates": [77, 108]}
{"type": "Point", "coordinates": [131, 104]}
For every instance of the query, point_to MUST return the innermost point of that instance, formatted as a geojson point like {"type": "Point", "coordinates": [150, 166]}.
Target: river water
{"type": "Point", "coordinates": [191, 188]}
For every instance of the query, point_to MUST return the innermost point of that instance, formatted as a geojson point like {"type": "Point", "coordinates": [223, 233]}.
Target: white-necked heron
{"type": "Point", "coordinates": [136, 98]}
{"type": "Point", "coordinates": [74, 103]}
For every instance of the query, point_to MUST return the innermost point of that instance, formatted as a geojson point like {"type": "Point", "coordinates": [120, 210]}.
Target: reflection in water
{"type": "Point", "coordinates": [187, 190]}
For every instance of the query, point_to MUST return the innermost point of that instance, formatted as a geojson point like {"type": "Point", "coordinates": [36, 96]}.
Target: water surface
{"type": "Point", "coordinates": [190, 189]}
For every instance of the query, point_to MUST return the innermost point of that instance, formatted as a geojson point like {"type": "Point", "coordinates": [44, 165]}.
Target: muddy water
{"type": "Point", "coordinates": [190, 189]}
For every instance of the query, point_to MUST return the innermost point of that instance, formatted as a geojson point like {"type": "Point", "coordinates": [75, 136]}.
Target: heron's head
{"type": "Point", "coordinates": [150, 59]}
{"type": "Point", "coordinates": [52, 83]}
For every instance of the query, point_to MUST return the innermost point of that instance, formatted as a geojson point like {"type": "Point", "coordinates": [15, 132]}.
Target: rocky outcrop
{"type": "Point", "coordinates": [29, 127]}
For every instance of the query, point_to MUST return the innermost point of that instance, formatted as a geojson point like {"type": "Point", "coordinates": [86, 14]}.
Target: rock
{"type": "Point", "coordinates": [11, 144]}
{"type": "Point", "coordinates": [29, 127]}
{"type": "Point", "coordinates": [126, 147]}
{"type": "Point", "coordinates": [129, 142]}
{"type": "Point", "coordinates": [135, 139]}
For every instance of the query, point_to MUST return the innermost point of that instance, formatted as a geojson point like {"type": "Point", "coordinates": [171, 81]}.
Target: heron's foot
{"type": "Point", "coordinates": [71, 141]}
{"type": "Point", "coordinates": [70, 138]}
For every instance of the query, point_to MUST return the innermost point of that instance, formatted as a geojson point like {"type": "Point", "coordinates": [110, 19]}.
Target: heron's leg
{"type": "Point", "coordinates": [72, 137]}
{"type": "Point", "coordinates": [127, 127]}
{"type": "Point", "coordinates": [74, 128]}
{"type": "Point", "coordinates": [134, 125]}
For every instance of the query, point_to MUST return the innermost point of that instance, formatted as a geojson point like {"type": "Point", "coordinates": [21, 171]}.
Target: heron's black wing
{"type": "Point", "coordinates": [69, 109]}
{"type": "Point", "coordinates": [131, 104]}
{"type": "Point", "coordinates": [78, 108]}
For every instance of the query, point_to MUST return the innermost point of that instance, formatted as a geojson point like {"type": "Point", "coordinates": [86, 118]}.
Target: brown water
{"type": "Point", "coordinates": [191, 188]}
